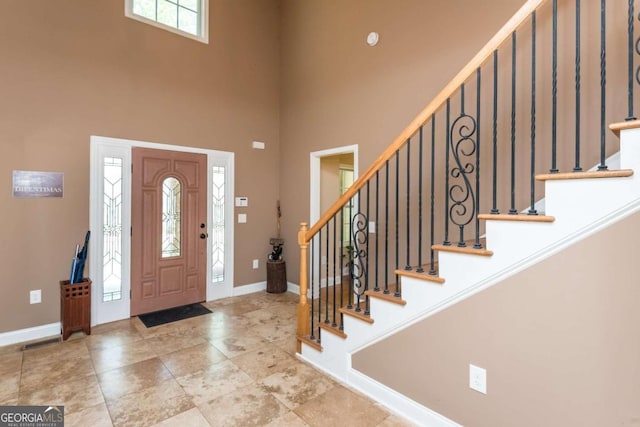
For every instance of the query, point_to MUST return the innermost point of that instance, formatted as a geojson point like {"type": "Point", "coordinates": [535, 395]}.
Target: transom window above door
{"type": "Point", "coordinates": [185, 17]}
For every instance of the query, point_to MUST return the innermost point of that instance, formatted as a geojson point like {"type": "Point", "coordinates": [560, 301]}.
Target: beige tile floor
{"type": "Point", "coordinates": [233, 367]}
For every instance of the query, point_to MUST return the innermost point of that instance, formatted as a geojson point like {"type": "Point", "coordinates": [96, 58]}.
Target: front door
{"type": "Point", "coordinates": [169, 230]}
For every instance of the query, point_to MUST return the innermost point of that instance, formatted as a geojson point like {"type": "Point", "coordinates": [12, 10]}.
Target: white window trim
{"type": "Point", "coordinates": [203, 15]}
{"type": "Point", "coordinates": [100, 147]}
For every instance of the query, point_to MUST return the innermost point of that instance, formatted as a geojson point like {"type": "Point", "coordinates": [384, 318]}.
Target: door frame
{"type": "Point", "coordinates": [100, 146]}
{"type": "Point", "coordinates": [314, 193]}
{"type": "Point", "coordinates": [314, 190]}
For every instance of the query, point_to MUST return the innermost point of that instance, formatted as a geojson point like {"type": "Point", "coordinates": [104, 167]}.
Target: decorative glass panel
{"type": "Point", "coordinates": [112, 231]}
{"type": "Point", "coordinates": [218, 225]}
{"type": "Point", "coordinates": [171, 195]}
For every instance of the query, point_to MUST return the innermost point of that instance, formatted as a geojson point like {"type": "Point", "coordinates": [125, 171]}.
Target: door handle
{"type": "Point", "coordinates": [203, 235]}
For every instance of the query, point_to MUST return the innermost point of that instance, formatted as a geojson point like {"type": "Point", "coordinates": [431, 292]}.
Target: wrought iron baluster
{"type": "Point", "coordinates": [603, 84]}
{"type": "Point", "coordinates": [367, 264]}
{"type": "Point", "coordinates": [351, 279]}
{"type": "Point", "coordinates": [532, 209]}
{"type": "Point", "coordinates": [342, 254]}
{"type": "Point", "coordinates": [420, 153]}
{"type": "Point", "coordinates": [494, 209]}
{"type": "Point", "coordinates": [446, 241]}
{"type": "Point", "coordinates": [432, 268]}
{"type": "Point", "coordinates": [477, 244]}
{"type": "Point", "coordinates": [326, 277]}
{"type": "Point", "coordinates": [360, 241]}
{"type": "Point", "coordinates": [376, 263]}
{"type": "Point", "coordinates": [408, 225]}
{"type": "Point", "coordinates": [512, 209]}
{"type": "Point", "coordinates": [554, 90]}
{"type": "Point", "coordinates": [630, 30]}
{"type": "Point", "coordinates": [386, 229]}
{"type": "Point", "coordinates": [313, 337]}
{"type": "Point", "coordinates": [397, 206]}
{"type": "Point", "coordinates": [335, 245]}
{"type": "Point", "coordinates": [463, 148]}
{"type": "Point", "coordinates": [577, 167]}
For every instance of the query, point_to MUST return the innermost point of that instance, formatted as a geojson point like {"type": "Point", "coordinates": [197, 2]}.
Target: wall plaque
{"type": "Point", "coordinates": [30, 184]}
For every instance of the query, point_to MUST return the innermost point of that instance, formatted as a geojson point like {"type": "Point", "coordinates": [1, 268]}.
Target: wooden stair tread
{"type": "Point", "coordinates": [335, 330]}
{"type": "Point", "coordinates": [617, 127]}
{"type": "Point", "coordinates": [516, 217]}
{"type": "Point", "coordinates": [357, 314]}
{"type": "Point", "coordinates": [622, 173]}
{"type": "Point", "coordinates": [421, 276]}
{"type": "Point", "coordinates": [311, 343]}
{"type": "Point", "coordinates": [386, 297]}
{"type": "Point", "coordinates": [469, 249]}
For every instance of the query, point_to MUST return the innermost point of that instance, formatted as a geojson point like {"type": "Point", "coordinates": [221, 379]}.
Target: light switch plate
{"type": "Point", "coordinates": [258, 144]}
{"type": "Point", "coordinates": [242, 218]}
{"type": "Point", "coordinates": [35, 297]}
{"type": "Point", "coordinates": [478, 379]}
{"type": "Point", "coordinates": [242, 202]}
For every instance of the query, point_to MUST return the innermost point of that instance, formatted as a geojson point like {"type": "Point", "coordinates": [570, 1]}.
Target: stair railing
{"type": "Point", "coordinates": [378, 229]}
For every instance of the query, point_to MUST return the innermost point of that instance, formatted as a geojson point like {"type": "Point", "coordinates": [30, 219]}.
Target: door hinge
{"type": "Point", "coordinates": [131, 167]}
{"type": "Point", "coordinates": [130, 294]}
{"type": "Point", "coordinates": [130, 231]}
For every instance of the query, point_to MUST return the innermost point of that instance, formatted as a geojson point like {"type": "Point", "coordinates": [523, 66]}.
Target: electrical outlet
{"type": "Point", "coordinates": [478, 379]}
{"type": "Point", "coordinates": [35, 297]}
{"type": "Point", "coordinates": [256, 264]}
{"type": "Point", "coordinates": [372, 227]}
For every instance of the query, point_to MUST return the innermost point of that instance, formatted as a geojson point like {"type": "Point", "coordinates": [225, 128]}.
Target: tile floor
{"type": "Point", "coordinates": [233, 367]}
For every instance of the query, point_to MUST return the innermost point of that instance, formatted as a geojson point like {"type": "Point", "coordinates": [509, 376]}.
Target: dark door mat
{"type": "Point", "coordinates": [173, 314]}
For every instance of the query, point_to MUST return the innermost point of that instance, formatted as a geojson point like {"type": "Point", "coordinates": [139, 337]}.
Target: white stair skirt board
{"type": "Point", "coordinates": [581, 207]}
{"type": "Point", "coordinates": [29, 334]}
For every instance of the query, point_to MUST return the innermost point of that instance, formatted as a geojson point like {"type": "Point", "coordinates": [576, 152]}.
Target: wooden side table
{"type": "Point", "coordinates": [75, 307]}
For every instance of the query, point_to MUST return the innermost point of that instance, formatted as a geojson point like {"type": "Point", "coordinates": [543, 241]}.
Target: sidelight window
{"type": "Point", "coordinates": [112, 229]}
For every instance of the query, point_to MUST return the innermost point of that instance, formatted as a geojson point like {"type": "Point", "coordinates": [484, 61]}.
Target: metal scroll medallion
{"type": "Point", "coordinates": [463, 147]}
{"type": "Point", "coordinates": [358, 259]}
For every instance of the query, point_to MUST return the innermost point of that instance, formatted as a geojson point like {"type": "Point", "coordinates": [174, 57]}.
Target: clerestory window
{"type": "Point", "coordinates": [185, 17]}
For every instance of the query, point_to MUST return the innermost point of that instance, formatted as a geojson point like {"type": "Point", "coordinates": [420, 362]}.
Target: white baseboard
{"type": "Point", "coordinates": [390, 399]}
{"type": "Point", "coordinates": [293, 288]}
{"type": "Point", "coordinates": [396, 402]}
{"type": "Point", "coordinates": [249, 289]}
{"type": "Point", "coordinates": [29, 334]}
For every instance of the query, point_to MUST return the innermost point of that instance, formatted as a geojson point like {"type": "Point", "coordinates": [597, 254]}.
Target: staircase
{"type": "Point", "coordinates": [418, 242]}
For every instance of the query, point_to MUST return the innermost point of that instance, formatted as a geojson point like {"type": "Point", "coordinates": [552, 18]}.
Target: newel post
{"type": "Point", "coordinates": [303, 305]}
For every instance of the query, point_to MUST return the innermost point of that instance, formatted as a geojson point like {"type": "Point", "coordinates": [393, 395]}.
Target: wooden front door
{"type": "Point", "coordinates": [169, 232]}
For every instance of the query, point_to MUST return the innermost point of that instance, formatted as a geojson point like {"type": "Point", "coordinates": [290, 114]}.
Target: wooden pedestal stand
{"type": "Point", "coordinates": [75, 307]}
{"type": "Point", "coordinates": [276, 277]}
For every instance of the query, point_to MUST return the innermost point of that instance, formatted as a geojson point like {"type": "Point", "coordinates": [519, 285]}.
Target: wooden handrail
{"type": "Point", "coordinates": [516, 20]}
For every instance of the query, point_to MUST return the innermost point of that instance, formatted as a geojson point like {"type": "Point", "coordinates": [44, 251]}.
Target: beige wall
{"type": "Point", "coordinates": [75, 68]}
{"type": "Point", "coordinates": [559, 342]}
